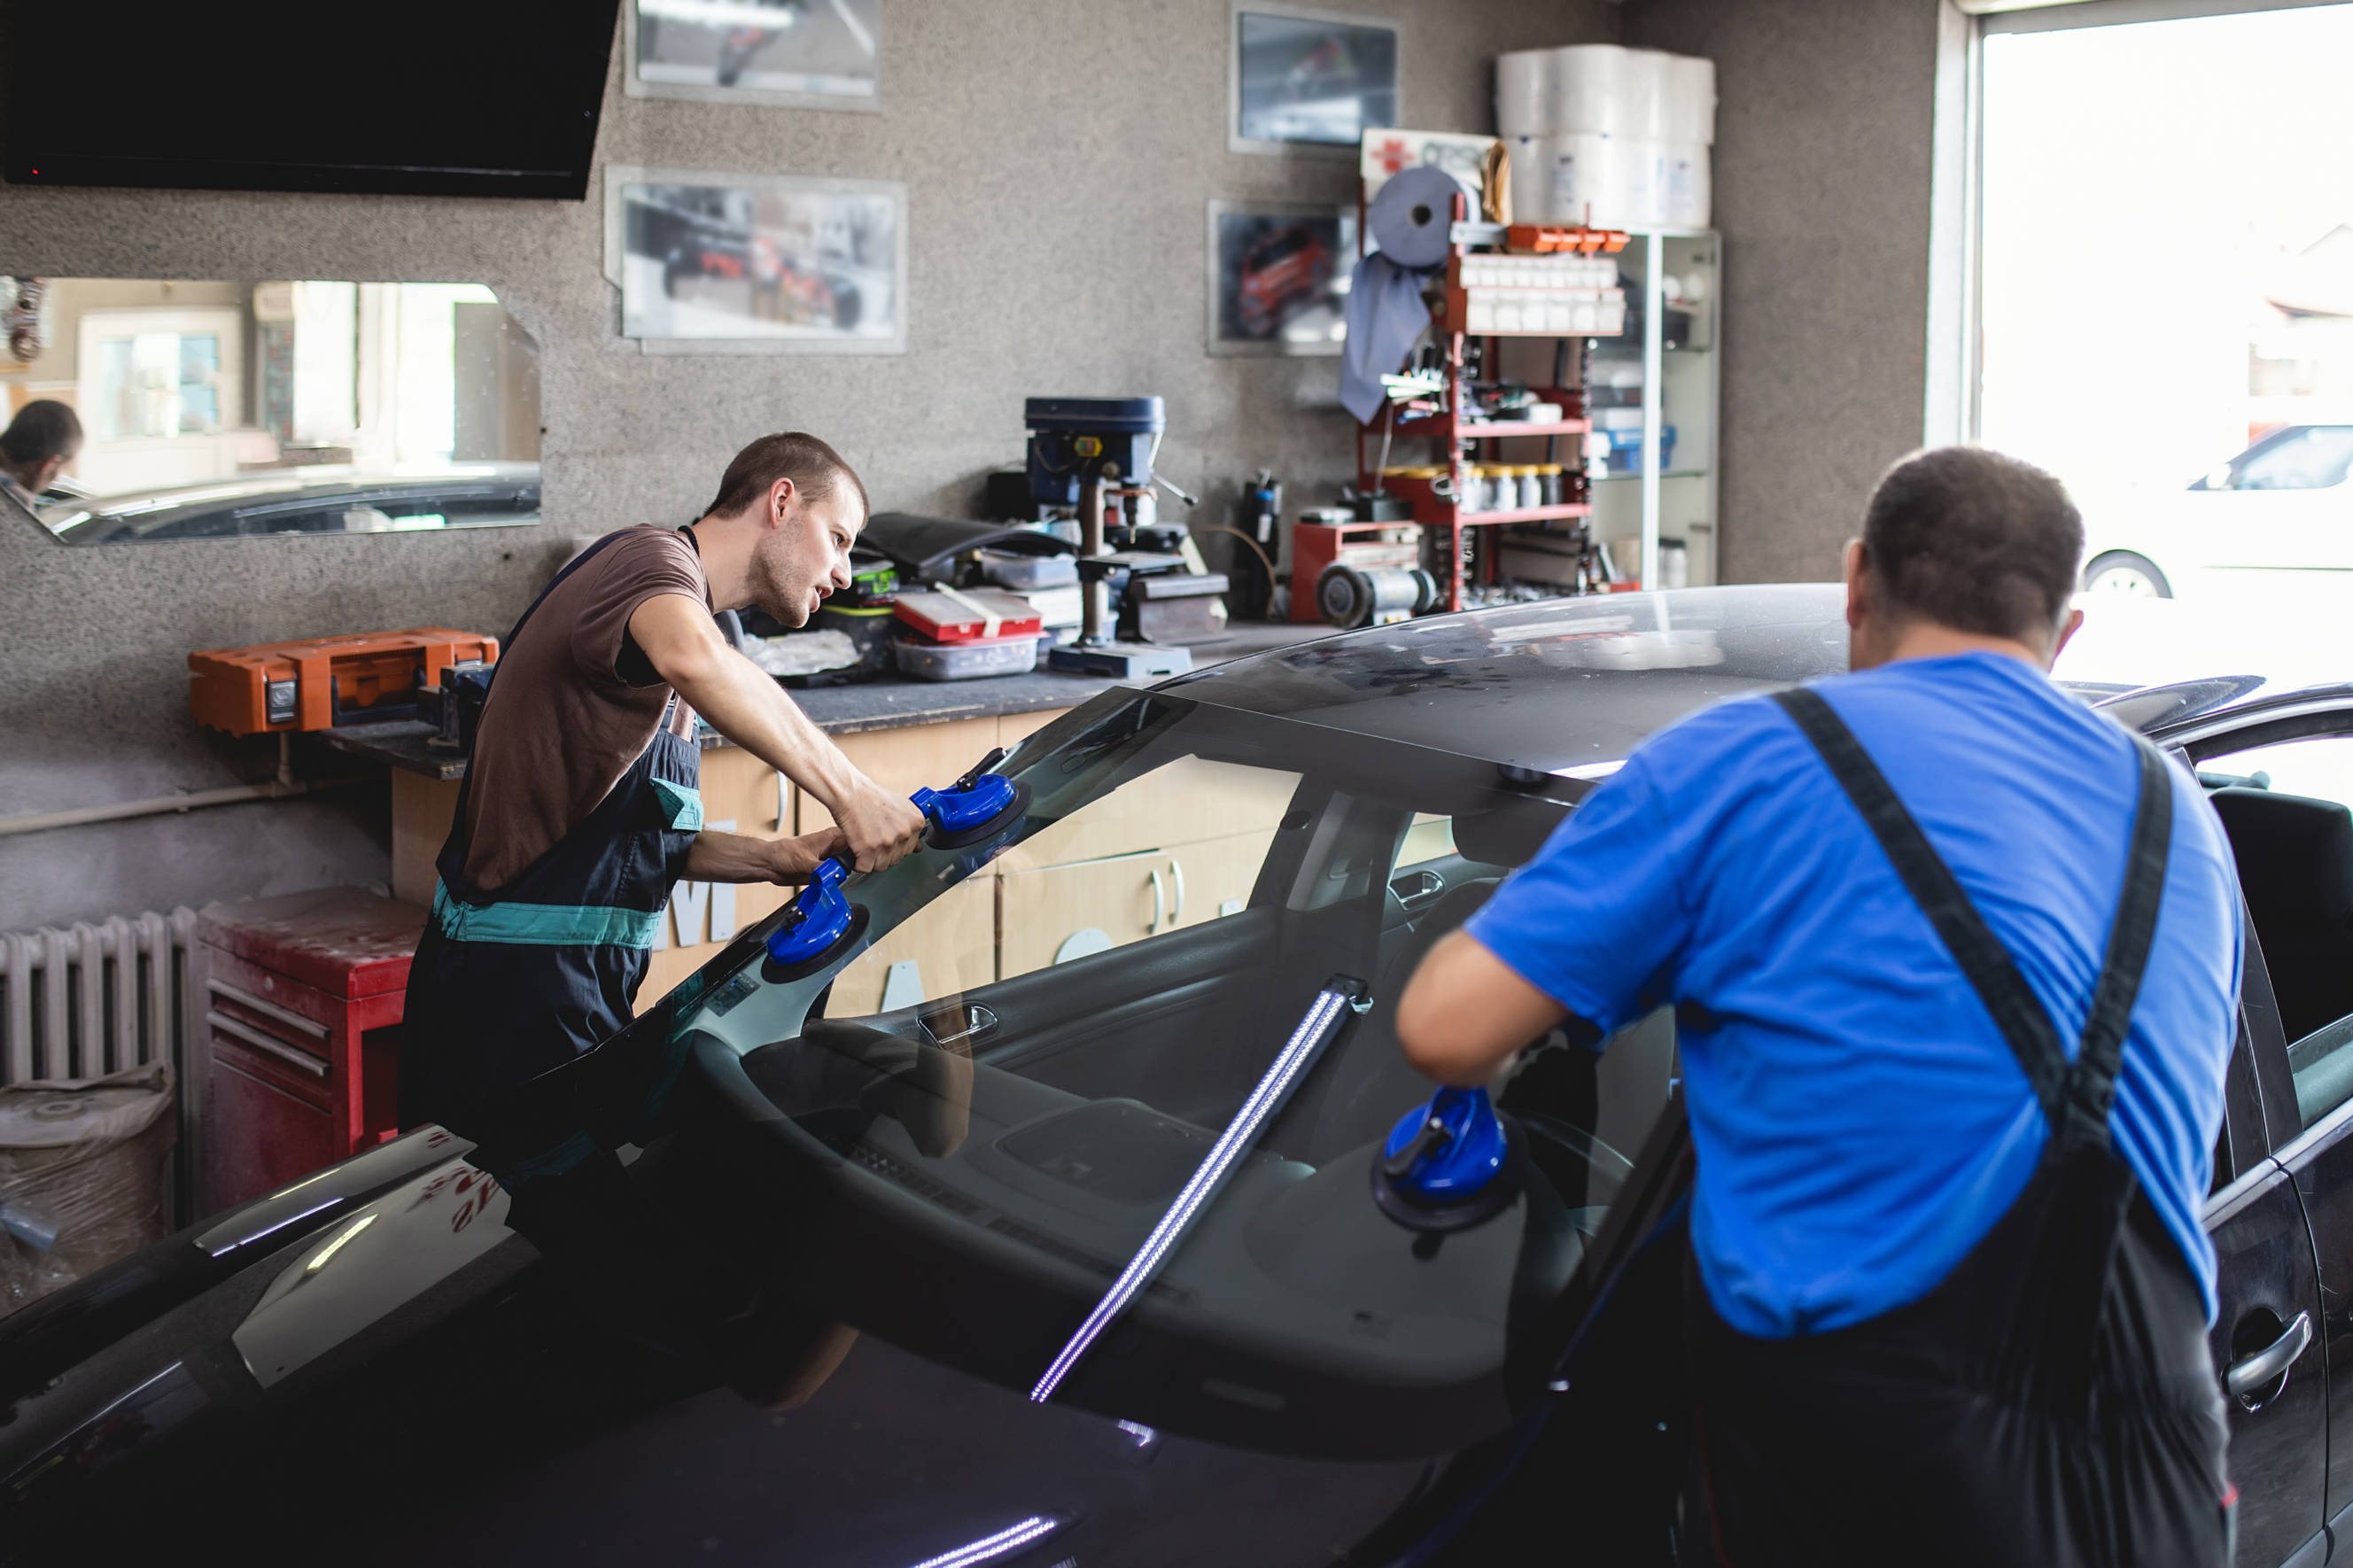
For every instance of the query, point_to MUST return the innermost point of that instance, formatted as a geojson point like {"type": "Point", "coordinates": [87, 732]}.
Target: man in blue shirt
{"type": "Point", "coordinates": [1952, 1097]}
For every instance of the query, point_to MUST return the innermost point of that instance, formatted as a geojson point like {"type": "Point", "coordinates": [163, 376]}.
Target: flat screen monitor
{"type": "Point", "coordinates": [496, 97]}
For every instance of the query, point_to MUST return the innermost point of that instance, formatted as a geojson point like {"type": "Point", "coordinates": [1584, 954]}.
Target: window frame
{"type": "Point", "coordinates": [2325, 718]}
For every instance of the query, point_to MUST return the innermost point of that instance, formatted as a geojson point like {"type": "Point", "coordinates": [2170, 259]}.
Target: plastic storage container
{"type": "Point", "coordinates": [1023, 573]}
{"type": "Point", "coordinates": [968, 660]}
{"type": "Point", "coordinates": [967, 615]}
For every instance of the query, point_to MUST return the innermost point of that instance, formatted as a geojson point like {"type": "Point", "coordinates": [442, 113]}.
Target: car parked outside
{"type": "Point", "coordinates": [2281, 507]}
{"type": "Point", "coordinates": [810, 1264]}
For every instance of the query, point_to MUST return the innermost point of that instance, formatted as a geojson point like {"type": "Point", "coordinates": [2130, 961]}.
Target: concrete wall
{"type": "Point", "coordinates": [1057, 157]}
{"type": "Point", "coordinates": [1823, 158]}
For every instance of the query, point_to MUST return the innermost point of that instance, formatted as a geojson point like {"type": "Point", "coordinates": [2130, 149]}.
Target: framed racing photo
{"type": "Point", "coordinates": [1279, 277]}
{"type": "Point", "coordinates": [713, 263]}
{"type": "Point", "coordinates": [1306, 80]}
{"type": "Point", "coordinates": [799, 54]}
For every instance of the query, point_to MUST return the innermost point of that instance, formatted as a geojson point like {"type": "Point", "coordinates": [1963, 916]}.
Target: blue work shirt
{"type": "Point", "coordinates": [1859, 1120]}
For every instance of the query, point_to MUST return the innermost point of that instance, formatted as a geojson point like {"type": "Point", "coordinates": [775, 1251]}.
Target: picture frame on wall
{"type": "Point", "coordinates": [794, 53]}
{"type": "Point", "coordinates": [722, 263]}
{"type": "Point", "coordinates": [1277, 277]}
{"type": "Point", "coordinates": [1304, 81]}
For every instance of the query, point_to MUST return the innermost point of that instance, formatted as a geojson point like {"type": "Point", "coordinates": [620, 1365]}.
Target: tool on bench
{"type": "Point", "coordinates": [1096, 453]}
{"type": "Point", "coordinates": [1450, 1164]}
{"type": "Point", "coordinates": [821, 922]}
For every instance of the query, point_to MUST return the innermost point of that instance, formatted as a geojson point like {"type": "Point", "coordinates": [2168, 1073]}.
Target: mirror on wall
{"type": "Point", "coordinates": [229, 409]}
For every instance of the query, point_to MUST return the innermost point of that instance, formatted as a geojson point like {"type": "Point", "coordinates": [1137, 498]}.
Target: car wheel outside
{"type": "Point", "coordinates": [2122, 571]}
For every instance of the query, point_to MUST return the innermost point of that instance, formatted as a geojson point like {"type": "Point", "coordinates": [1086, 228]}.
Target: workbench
{"type": "Point", "coordinates": [905, 734]}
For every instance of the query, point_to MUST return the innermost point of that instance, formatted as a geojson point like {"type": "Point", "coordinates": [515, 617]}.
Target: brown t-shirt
{"type": "Point", "coordinates": [573, 703]}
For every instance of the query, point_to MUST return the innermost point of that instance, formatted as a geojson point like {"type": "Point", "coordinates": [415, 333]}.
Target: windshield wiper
{"type": "Point", "coordinates": [1341, 998]}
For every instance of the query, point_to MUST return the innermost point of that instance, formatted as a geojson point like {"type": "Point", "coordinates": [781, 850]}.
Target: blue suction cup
{"type": "Point", "coordinates": [821, 921]}
{"type": "Point", "coordinates": [1450, 1164]}
{"type": "Point", "coordinates": [975, 806]}
{"type": "Point", "coordinates": [818, 923]}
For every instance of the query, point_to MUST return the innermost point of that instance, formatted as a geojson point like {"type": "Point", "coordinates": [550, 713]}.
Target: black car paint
{"type": "Point", "coordinates": [604, 1392]}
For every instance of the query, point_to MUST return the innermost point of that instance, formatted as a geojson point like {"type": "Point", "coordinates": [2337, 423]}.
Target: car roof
{"type": "Point", "coordinates": [1570, 686]}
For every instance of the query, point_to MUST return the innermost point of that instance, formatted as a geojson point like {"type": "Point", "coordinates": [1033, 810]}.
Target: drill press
{"type": "Point", "coordinates": [1094, 454]}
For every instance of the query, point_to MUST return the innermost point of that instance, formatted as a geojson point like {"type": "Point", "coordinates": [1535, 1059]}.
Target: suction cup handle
{"type": "Point", "coordinates": [816, 918]}
{"type": "Point", "coordinates": [1448, 1151]}
{"type": "Point", "coordinates": [1432, 1137]}
{"type": "Point", "coordinates": [975, 802]}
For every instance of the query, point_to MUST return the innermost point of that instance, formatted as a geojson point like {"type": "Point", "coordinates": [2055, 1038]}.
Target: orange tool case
{"type": "Point", "coordinates": [369, 678]}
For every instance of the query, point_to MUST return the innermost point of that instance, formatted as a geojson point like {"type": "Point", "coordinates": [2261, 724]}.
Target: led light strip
{"type": "Point", "coordinates": [1239, 1135]}
{"type": "Point", "coordinates": [989, 1548]}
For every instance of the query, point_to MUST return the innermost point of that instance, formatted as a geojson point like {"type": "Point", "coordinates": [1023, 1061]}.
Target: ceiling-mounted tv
{"type": "Point", "coordinates": [483, 98]}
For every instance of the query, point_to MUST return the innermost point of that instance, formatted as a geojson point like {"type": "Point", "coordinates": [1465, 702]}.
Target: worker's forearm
{"type": "Point", "coordinates": [715, 857]}
{"type": "Point", "coordinates": [1466, 1013]}
{"type": "Point", "coordinates": [745, 704]}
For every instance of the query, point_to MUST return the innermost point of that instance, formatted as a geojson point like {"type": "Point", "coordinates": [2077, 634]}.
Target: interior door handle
{"type": "Point", "coordinates": [977, 1021]}
{"type": "Point", "coordinates": [1158, 900]}
{"type": "Point", "coordinates": [2249, 1377]}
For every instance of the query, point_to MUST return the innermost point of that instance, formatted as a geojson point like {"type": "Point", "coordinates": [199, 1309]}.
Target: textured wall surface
{"type": "Point", "coordinates": [1058, 156]}
{"type": "Point", "coordinates": [1823, 119]}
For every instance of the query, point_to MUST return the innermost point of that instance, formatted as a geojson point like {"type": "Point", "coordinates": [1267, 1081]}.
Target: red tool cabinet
{"type": "Point", "coordinates": [301, 998]}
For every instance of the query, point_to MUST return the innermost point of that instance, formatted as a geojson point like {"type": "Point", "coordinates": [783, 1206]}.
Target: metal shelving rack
{"type": "Point", "coordinates": [1440, 513]}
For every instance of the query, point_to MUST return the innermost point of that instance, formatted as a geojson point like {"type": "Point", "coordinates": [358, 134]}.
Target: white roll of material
{"type": "Point", "coordinates": [1685, 196]}
{"type": "Point", "coordinates": [1590, 89]}
{"type": "Point", "coordinates": [1527, 100]}
{"type": "Point", "coordinates": [1691, 95]}
{"type": "Point", "coordinates": [1607, 181]}
{"type": "Point", "coordinates": [1413, 217]}
{"type": "Point", "coordinates": [1649, 96]}
{"type": "Point", "coordinates": [1531, 178]}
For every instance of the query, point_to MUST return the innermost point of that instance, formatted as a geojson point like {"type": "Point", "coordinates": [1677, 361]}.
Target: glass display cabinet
{"type": "Point", "coordinates": [1652, 397]}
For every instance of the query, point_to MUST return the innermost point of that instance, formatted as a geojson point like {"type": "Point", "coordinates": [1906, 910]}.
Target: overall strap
{"type": "Point", "coordinates": [2093, 1085]}
{"type": "Point", "coordinates": [2074, 1097]}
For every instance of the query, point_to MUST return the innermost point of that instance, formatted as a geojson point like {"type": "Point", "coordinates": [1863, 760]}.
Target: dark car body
{"type": "Point", "coordinates": [756, 1281]}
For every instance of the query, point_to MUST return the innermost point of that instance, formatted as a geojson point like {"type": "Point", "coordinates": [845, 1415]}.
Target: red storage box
{"type": "Point", "coordinates": [302, 998]}
{"type": "Point", "coordinates": [967, 615]}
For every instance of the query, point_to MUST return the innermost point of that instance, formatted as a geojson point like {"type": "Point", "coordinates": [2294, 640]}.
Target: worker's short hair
{"type": "Point", "coordinates": [1975, 540]}
{"type": "Point", "coordinates": [43, 429]}
{"type": "Point", "coordinates": [816, 469]}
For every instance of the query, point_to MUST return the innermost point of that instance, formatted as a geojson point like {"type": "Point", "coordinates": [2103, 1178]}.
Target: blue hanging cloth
{"type": "Point", "coordinates": [1385, 316]}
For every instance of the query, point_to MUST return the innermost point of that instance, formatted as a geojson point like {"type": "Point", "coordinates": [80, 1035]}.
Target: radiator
{"type": "Point", "coordinates": [96, 997]}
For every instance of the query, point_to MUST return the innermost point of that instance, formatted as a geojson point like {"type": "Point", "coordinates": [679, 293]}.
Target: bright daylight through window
{"type": "Point", "coordinates": [2167, 296]}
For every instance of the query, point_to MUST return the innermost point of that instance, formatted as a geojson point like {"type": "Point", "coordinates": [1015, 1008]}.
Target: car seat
{"type": "Point", "coordinates": [2296, 867]}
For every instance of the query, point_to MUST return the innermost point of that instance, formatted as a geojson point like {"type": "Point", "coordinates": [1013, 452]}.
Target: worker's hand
{"type": "Point", "coordinates": [881, 828]}
{"type": "Point", "coordinates": [791, 860]}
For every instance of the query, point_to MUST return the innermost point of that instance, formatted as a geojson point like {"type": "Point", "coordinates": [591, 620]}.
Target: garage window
{"type": "Point", "coordinates": [2141, 270]}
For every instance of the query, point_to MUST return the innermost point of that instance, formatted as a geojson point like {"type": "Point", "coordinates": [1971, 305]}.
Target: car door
{"type": "Point", "coordinates": [2288, 807]}
{"type": "Point", "coordinates": [2264, 1334]}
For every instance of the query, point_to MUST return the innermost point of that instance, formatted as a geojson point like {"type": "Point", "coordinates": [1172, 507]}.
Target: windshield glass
{"type": "Point", "coordinates": [993, 1096]}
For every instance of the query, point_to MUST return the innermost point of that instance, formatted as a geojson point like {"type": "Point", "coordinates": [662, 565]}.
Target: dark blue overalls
{"type": "Point", "coordinates": [511, 981]}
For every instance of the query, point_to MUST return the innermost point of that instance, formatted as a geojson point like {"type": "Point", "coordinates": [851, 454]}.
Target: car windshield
{"type": "Point", "coordinates": [987, 1103]}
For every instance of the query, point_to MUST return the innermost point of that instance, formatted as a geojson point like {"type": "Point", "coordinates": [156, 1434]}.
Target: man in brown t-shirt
{"type": "Point", "coordinates": [581, 808]}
